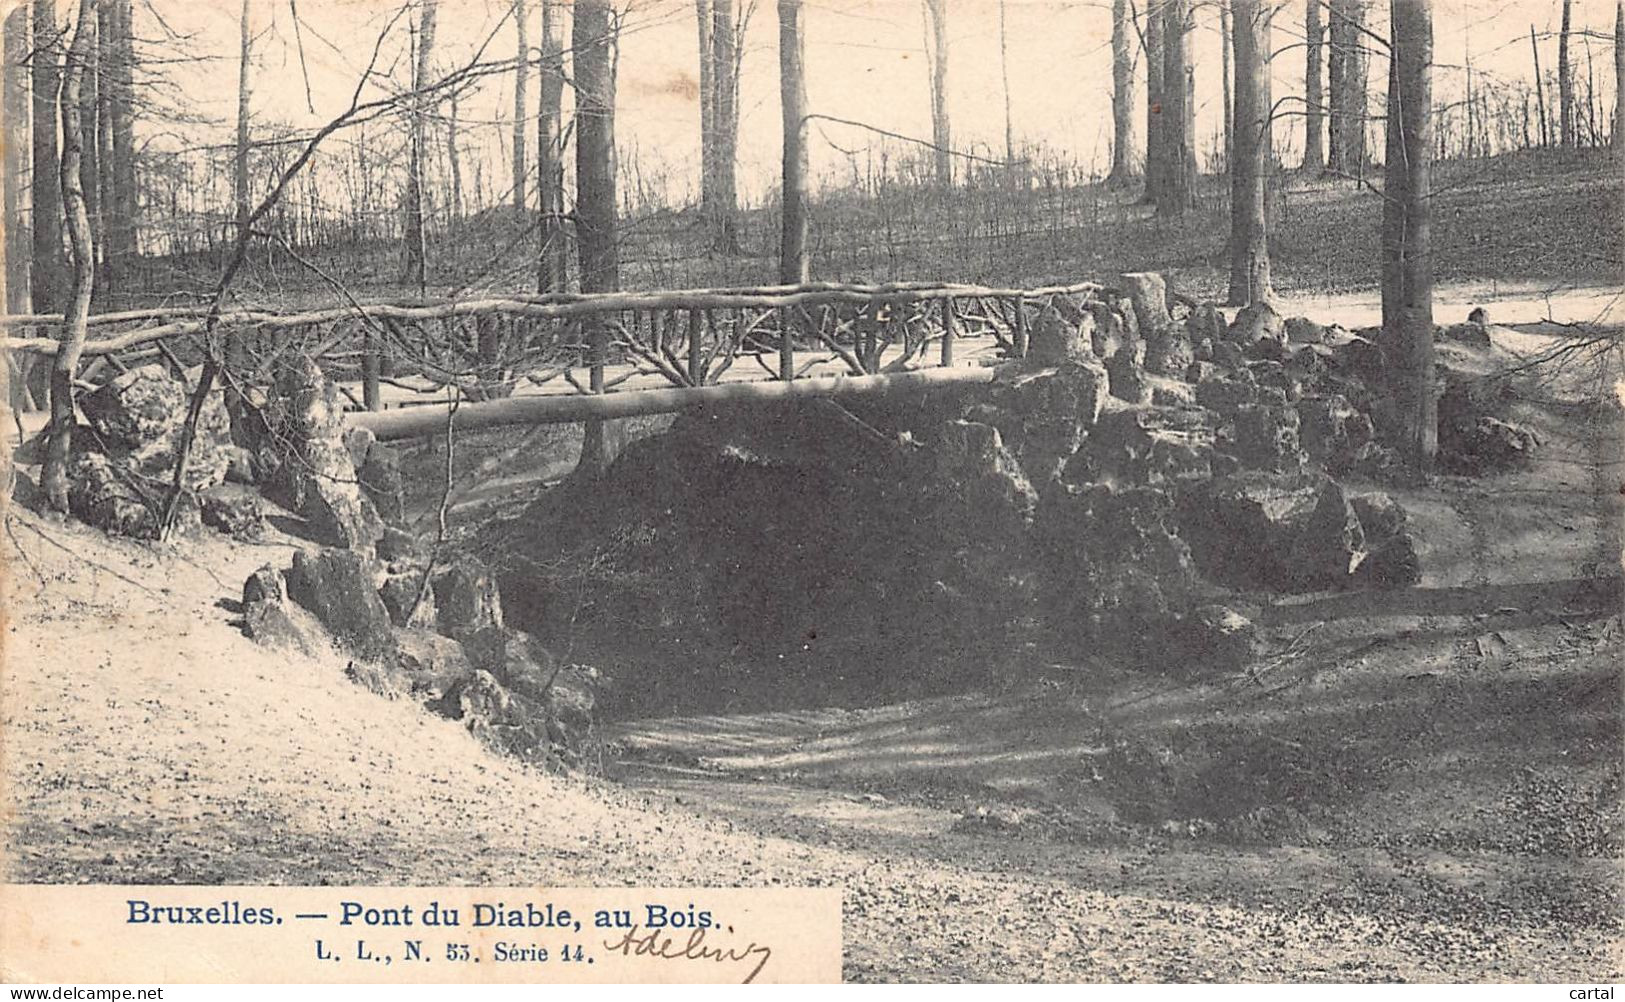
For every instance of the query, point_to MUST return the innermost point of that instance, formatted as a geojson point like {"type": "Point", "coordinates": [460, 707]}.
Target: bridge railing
{"type": "Point", "coordinates": [592, 343]}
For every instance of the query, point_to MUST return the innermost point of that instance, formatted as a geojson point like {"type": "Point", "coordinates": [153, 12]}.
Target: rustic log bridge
{"type": "Point", "coordinates": [418, 422]}
{"type": "Point", "coordinates": [489, 347]}
{"type": "Point", "coordinates": [554, 307]}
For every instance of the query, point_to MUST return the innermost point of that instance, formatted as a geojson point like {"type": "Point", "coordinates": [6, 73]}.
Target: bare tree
{"type": "Point", "coordinates": [48, 279]}
{"type": "Point", "coordinates": [725, 31]}
{"type": "Point", "coordinates": [1540, 92]}
{"type": "Point", "coordinates": [240, 159]}
{"type": "Point", "coordinates": [1178, 193]}
{"type": "Point", "coordinates": [54, 471]}
{"type": "Point", "coordinates": [553, 264]}
{"type": "Point", "coordinates": [1314, 122]}
{"type": "Point", "coordinates": [1249, 225]}
{"type": "Point", "coordinates": [936, 12]}
{"type": "Point", "coordinates": [1565, 82]}
{"type": "Point", "coordinates": [1155, 158]}
{"type": "Point", "coordinates": [794, 267]}
{"type": "Point", "coordinates": [454, 160]}
{"type": "Point", "coordinates": [1349, 85]}
{"type": "Point", "coordinates": [708, 168]}
{"type": "Point", "coordinates": [1619, 78]}
{"type": "Point", "coordinates": [1123, 168]}
{"type": "Point", "coordinates": [593, 43]}
{"type": "Point", "coordinates": [90, 167]}
{"type": "Point", "coordinates": [16, 153]}
{"type": "Point", "coordinates": [1004, 75]}
{"type": "Point", "coordinates": [122, 231]}
{"type": "Point", "coordinates": [1407, 286]}
{"type": "Point", "coordinates": [521, 117]}
{"type": "Point", "coordinates": [415, 246]}
{"type": "Point", "coordinates": [1226, 77]}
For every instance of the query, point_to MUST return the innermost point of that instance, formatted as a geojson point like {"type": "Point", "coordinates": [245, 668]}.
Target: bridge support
{"type": "Point", "coordinates": [419, 422]}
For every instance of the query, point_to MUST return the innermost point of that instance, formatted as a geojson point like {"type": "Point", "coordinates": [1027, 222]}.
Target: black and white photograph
{"type": "Point", "coordinates": [1070, 491]}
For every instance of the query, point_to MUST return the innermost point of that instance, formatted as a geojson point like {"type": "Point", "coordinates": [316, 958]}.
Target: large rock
{"type": "Point", "coordinates": [1392, 560]}
{"type": "Point", "coordinates": [399, 592]}
{"type": "Point", "coordinates": [1206, 322]}
{"type": "Point", "coordinates": [501, 720]}
{"type": "Point", "coordinates": [1283, 532]}
{"type": "Point", "coordinates": [467, 597]}
{"type": "Point", "coordinates": [1148, 292]}
{"type": "Point", "coordinates": [1266, 437]}
{"type": "Point", "coordinates": [1302, 330]}
{"type": "Point", "coordinates": [1333, 433]}
{"type": "Point", "coordinates": [1115, 574]}
{"type": "Point", "coordinates": [1255, 323]}
{"type": "Point", "coordinates": [1146, 446]}
{"type": "Point", "coordinates": [1170, 350]}
{"type": "Point", "coordinates": [1054, 341]}
{"type": "Point", "coordinates": [234, 510]}
{"type": "Point", "coordinates": [380, 476]}
{"type": "Point", "coordinates": [985, 478]}
{"type": "Point", "coordinates": [337, 587]}
{"type": "Point", "coordinates": [103, 495]}
{"type": "Point", "coordinates": [433, 664]}
{"type": "Point", "coordinates": [270, 619]}
{"type": "Point", "coordinates": [1127, 377]}
{"type": "Point", "coordinates": [138, 419]}
{"type": "Point", "coordinates": [1045, 413]}
{"type": "Point", "coordinates": [307, 463]}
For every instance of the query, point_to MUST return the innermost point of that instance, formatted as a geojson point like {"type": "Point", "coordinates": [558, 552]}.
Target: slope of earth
{"type": "Point", "coordinates": [147, 741]}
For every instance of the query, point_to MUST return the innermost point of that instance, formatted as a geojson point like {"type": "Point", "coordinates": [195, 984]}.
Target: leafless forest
{"type": "Point", "coordinates": [1127, 490]}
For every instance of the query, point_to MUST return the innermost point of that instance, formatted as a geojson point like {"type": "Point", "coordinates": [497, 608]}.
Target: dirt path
{"type": "Point", "coordinates": [976, 835]}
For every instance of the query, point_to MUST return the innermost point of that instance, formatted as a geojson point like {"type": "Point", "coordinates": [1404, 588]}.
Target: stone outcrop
{"type": "Point", "coordinates": [337, 587]}
{"type": "Point", "coordinates": [306, 462]}
{"type": "Point", "coordinates": [1280, 532]}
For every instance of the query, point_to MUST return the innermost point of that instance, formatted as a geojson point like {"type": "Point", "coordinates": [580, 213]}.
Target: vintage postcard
{"type": "Point", "coordinates": [678, 491]}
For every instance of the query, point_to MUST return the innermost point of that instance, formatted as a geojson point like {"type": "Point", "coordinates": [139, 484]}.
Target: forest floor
{"type": "Point", "coordinates": [1428, 782]}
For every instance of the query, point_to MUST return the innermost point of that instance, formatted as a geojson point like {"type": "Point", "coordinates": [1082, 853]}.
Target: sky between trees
{"type": "Point", "coordinates": [866, 62]}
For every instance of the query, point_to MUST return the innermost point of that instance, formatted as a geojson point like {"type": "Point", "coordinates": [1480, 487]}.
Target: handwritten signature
{"type": "Point", "coordinates": [655, 943]}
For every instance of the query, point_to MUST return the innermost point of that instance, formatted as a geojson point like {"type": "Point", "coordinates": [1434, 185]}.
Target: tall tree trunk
{"type": "Point", "coordinates": [941, 137]}
{"type": "Point", "coordinates": [416, 248]}
{"type": "Point", "coordinates": [454, 161]}
{"type": "Point", "coordinates": [1179, 190]}
{"type": "Point", "coordinates": [1349, 79]}
{"type": "Point", "coordinates": [1226, 80]}
{"type": "Point", "coordinates": [1407, 294]}
{"type": "Point", "coordinates": [1249, 225]}
{"type": "Point", "coordinates": [107, 58]}
{"type": "Point", "coordinates": [54, 473]}
{"type": "Point", "coordinates": [1540, 92]}
{"type": "Point", "coordinates": [725, 123]}
{"type": "Point", "coordinates": [1565, 81]}
{"type": "Point", "coordinates": [1156, 161]}
{"type": "Point", "coordinates": [1004, 76]}
{"type": "Point", "coordinates": [1618, 137]}
{"type": "Point", "coordinates": [708, 153]}
{"type": "Point", "coordinates": [553, 273]}
{"type": "Point", "coordinates": [19, 237]}
{"type": "Point", "coordinates": [90, 169]}
{"type": "Point", "coordinates": [1123, 168]}
{"type": "Point", "coordinates": [1314, 121]}
{"type": "Point", "coordinates": [593, 43]}
{"type": "Point", "coordinates": [49, 278]}
{"type": "Point", "coordinates": [239, 171]}
{"type": "Point", "coordinates": [521, 87]}
{"type": "Point", "coordinates": [126, 202]}
{"type": "Point", "coordinates": [29, 384]}
{"type": "Point", "coordinates": [794, 266]}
